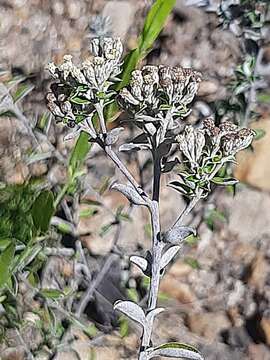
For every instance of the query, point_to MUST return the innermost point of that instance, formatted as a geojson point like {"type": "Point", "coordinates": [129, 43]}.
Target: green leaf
{"type": "Point", "coordinates": [42, 210]}
{"type": "Point", "coordinates": [4, 243]}
{"type": "Point", "coordinates": [260, 133]}
{"type": "Point", "coordinates": [22, 91]}
{"type": "Point", "coordinates": [124, 327]}
{"type": "Point", "coordinates": [177, 350]}
{"type": "Point", "coordinates": [224, 181]}
{"type": "Point", "coordinates": [80, 100]}
{"type": "Point", "coordinates": [51, 294]}
{"type": "Point", "coordinates": [192, 263]}
{"type": "Point", "coordinates": [133, 294]}
{"type": "Point", "coordinates": [264, 98]}
{"type": "Point", "coordinates": [43, 121]}
{"type": "Point", "coordinates": [79, 153]}
{"type": "Point", "coordinates": [153, 25]}
{"type": "Point", "coordinates": [6, 259]}
{"type": "Point", "coordinates": [88, 212]}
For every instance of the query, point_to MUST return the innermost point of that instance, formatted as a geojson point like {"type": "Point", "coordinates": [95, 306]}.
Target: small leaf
{"type": "Point", "coordinates": [72, 134]}
{"type": "Point", "coordinates": [132, 310]}
{"type": "Point", "coordinates": [52, 293]}
{"type": "Point", "coordinates": [149, 323]}
{"type": "Point", "coordinates": [176, 350]}
{"type": "Point", "coordinates": [79, 152]}
{"type": "Point", "coordinates": [224, 181]}
{"type": "Point", "coordinates": [80, 100]}
{"type": "Point", "coordinates": [124, 327]}
{"type": "Point", "coordinates": [180, 187]}
{"type": "Point", "coordinates": [140, 261]}
{"type": "Point", "coordinates": [42, 210]}
{"type": "Point", "coordinates": [133, 147]}
{"type": "Point", "coordinates": [260, 133]}
{"type": "Point", "coordinates": [168, 256]}
{"type": "Point", "coordinates": [5, 263]}
{"type": "Point", "coordinates": [264, 98]}
{"type": "Point", "coordinates": [193, 263]}
{"type": "Point", "coordinates": [169, 165]}
{"type": "Point", "coordinates": [177, 234]}
{"type": "Point", "coordinates": [22, 91]}
{"type": "Point", "coordinates": [152, 314]}
{"type": "Point", "coordinates": [113, 135]}
{"type": "Point", "coordinates": [130, 193]}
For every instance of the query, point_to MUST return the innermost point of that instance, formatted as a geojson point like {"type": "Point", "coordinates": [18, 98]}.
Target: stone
{"type": "Point", "coordinates": [249, 220]}
{"type": "Point", "coordinates": [265, 325]}
{"type": "Point", "coordinates": [13, 353]}
{"type": "Point", "coordinates": [259, 352]}
{"type": "Point", "coordinates": [177, 290]}
{"type": "Point", "coordinates": [253, 166]}
{"type": "Point", "coordinates": [260, 271]}
{"type": "Point", "coordinates": [208, 325]}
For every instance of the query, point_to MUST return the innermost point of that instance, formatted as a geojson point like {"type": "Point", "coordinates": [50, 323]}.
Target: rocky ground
{"type": "Point", "coordinates": [218, 290]}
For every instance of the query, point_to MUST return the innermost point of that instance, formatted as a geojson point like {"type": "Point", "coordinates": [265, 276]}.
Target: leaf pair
{"type": "Point", "coordinates": [136, 313]}
{"type": "Point", "coordinates": [145, 264]}
{"type": "Point", "coordinates": [173, 349]}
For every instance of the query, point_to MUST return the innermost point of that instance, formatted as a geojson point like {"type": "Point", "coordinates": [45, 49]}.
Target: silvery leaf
{"type": "Point", "coordinates": [132, 310]}
{"type": "Point", "coordinates": [140, 261]}
{"type": "Point", "coordinates": [177, 234]}
{"type": "Point", "coordinates": [133, 147]}
{"type": "Point", "coordinates": [71, 135]}
{"type": "Point", "coordinates": [169, 165]}
{"type": "Point", "coordinates": [168, 255]}
{"type": "Point", "coordinates": [113, 135]}
{"type": "Point", "coordinates": [149, 324]}
{"type": "Point", "coordinates": [146, 118]}
{"type": "Point", "coordinates": [152, 314]}
{"type": "Point", "coordinates": [143, 355]}
{"type": "Point", "coordinates": [175, 350]}
{"type": "Point", "coordinates": [140, 139]}
{"type": "Point", "coordinates": [150, 128]}
{"type": "Point", "coordinates": [129, 193]}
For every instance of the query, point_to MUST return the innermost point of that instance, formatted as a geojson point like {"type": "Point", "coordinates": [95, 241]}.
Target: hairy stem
{"type": "Point", "coordinates": [157, 247]}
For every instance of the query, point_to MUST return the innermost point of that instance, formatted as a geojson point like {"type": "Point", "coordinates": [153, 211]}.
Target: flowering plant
{"type": "Point", "coordinates": [157, 99]}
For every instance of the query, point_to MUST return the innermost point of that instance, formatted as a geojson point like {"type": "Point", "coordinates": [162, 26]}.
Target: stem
{"type": "Point", "coordinates": [99, 108]}
{"type": "Point", "coordinates": [187, 209]}
{"type": "Point", "coordinates": [112, 155]}
{"type": "Point", "coordinates": [157, 247]}
{"type": "Point", "coordinates": [195, 200]}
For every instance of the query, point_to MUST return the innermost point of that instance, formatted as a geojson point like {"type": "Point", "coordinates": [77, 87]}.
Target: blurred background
{"type": "Point", "coordinates": [217, 292]}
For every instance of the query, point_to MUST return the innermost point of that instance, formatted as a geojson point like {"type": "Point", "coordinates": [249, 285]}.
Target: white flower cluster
{"type": "Point", "coordinates": [209, 140]}
{"type": "Point", "coordinates": [79, 87]}
{"type": "Point", "coordinates": [156, 88]}
{"type": "Point", "coordinates": [228, 136]}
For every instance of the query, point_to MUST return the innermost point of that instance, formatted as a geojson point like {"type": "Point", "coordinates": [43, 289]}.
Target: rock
{"type": "Point", "coordinates": [265, 325]}
{"type": "Point", "coordinates": [249, 220]}
{"type": "Point", "coordinates": [121, 14]}
{"type": "Point", "coordinates": [74, 9]}
{"type": "Point", "coordinates": [260, 271]}
{"type": "Point", "coordinates": [253, 166]}
{"type": "Point", "coordinates": [177, 290]}
{"type": "Point", "coordinates": [237, 338]}
{"type": "Point", "coordinates": [14, 353]}
{"type": "Point", "coordinates": [208, 325]}
{"type": "Point", "coordinates": [211, 90]}
{"type": "Point", "coordinates": [218, 351]}
{"type": "Point", "coordinates": [259, 352]}
{"type": "Point", "coordinates": [180, 269]}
